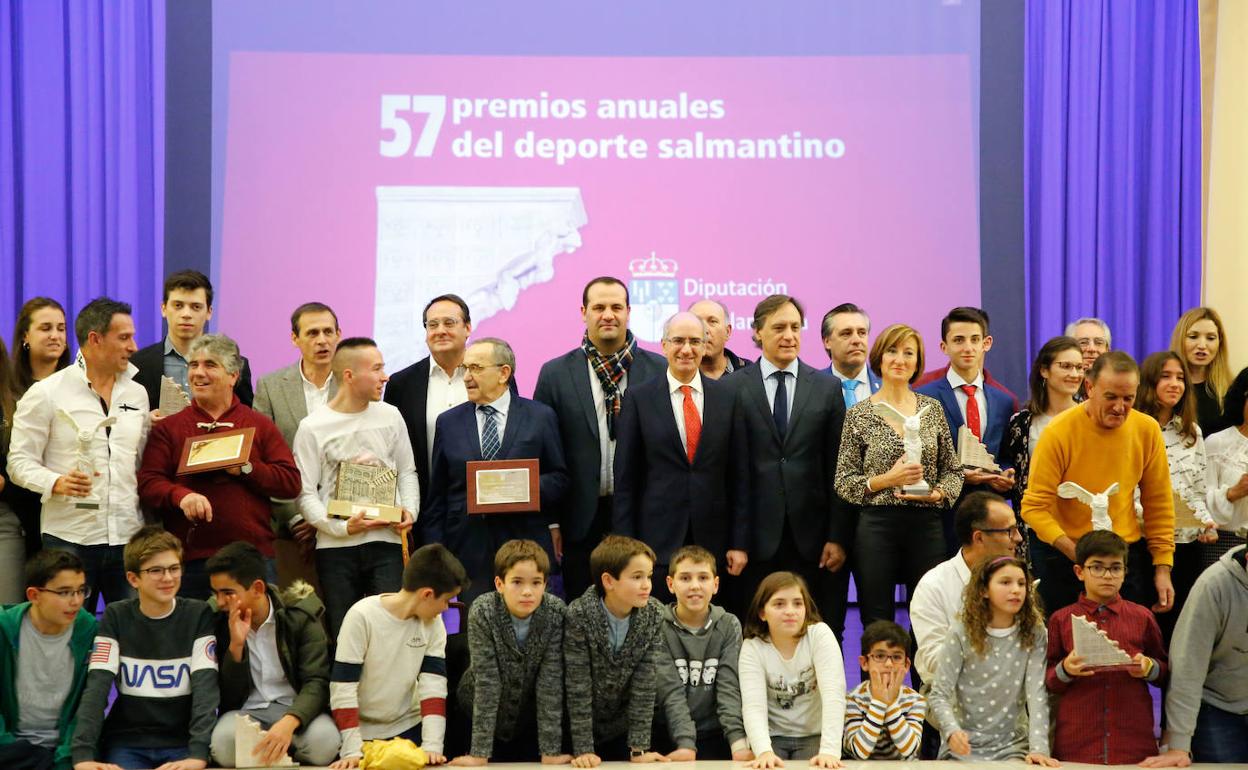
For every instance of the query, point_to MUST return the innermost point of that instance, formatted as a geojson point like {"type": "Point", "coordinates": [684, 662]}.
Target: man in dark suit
{"type": "Point", "coordinates": [186, 307]}
{"type": "Point", "coordinates": [788, 428]}
{"type": "Point", "coordinates": [585, 387]}
{"type": "Point", "coordinates": [717, 359]}
{"type": "Point", "coordinates": [969, 398]}
{"type": "Point", "coordinates": [845, 330]}
{"type": "Point", "coordinates": [673, 459]}
{"type": "Point", "coordinates": [495, 424]}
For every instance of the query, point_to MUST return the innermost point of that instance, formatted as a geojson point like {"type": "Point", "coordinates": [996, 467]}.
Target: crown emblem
{"type": "Point", "coordinates": [653, 267]}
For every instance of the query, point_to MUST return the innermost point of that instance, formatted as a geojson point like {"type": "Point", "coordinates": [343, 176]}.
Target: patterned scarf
{"type": "Point", "coordinates": [610, 370]}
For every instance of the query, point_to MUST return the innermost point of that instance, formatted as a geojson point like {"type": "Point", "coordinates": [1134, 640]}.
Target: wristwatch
{"type": "Point", "coordinates": [635, 753]}
{"type": "Point", "coordinates": [245, 469]}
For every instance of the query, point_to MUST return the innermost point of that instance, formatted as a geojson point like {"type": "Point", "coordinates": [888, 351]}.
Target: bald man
{"type": "Point", "coordinates": [717, 359]}
{"type": "Point", "coordinates": [355, 557]}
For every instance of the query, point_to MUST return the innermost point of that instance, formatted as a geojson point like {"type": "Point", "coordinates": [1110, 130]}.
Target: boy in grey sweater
{"type": "Point", "coordinates": [1207, 705]}
{"type": "Point", "coordinates": [513, 689]}
{"type": "Point", "coordinates": [612, 644]}
{"type": "Point", "coordinates": [698, 690]}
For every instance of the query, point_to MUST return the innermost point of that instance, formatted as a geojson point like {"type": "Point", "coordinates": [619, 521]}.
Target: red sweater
{"type": "Point", "coordinates": [240, 504]}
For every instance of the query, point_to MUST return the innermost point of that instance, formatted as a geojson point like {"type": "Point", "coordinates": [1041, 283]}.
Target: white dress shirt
{"type": "Point", "coordinates": [934, 610]}
{"type": "Point", "coordinates": [312, 395]}
{"type": "Point", "coordinates": [501, 405]}
{"type": "Point", "coordinates": [445, 391]}
{"type": "Point", "coordinates": [1227, 452]}
{"type": "Point", "coordinates": [269, 684]}
{"type": "Point", "coordinates": [678, 402]}
{"type": "Point", "coordinates": [606, 444]}
{"type": "Point", "coordinates": [44, 447]}
{"type": "Point", "coordinates": [957, 382]}
{"type": "Point", "coordinates": [769, 383]}
{"type": "Point", "coordinates": [863, 389]}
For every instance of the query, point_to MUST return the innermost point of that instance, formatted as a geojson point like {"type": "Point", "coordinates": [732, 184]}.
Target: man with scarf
{"type": "Point", "coordinates": [585, 387]}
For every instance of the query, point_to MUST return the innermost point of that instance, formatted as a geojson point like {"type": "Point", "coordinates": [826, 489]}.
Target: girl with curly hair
{"type": "Point", "coordinates": [988, 698]}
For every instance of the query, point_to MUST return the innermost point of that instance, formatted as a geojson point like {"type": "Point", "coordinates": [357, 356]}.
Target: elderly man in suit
{"type": "Point", "coordinates": [788, 419]}
{"type": "Point", "coordinates": [495, 424]}
{"type": "Point", "coordinates": [674, 456]}
{"type": "Point", "coordinates": [186, 308]}
{"type": "Point", "coordinates": [586, 387]}
{"type": "Point", "coordinates": [717, 359]}
{"type": "Point", "coordinates": [287, 396]}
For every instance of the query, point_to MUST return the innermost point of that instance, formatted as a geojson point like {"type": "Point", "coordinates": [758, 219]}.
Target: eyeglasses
{"type": "Point", "coordinates": [434, 324]}
{"type": "Point", "coordinates": [68, 593]}
{"type": "Point", "coordinates": [1101, 570]}
{"type": "Point", "coordinates": [1067, 366]}
{"type": "Point", "coordinates": [476, 369]}
{"type": "Point", "coordinates": [1010, 531]}
{"type": "Point", "coordinates": [173, 570]}
{"type": "Point", "coordinates": [693, 342]}
{"type": "Point", "coordinates": [896, 659]}
{"type": "Point", "coordinates": [1094, 342]}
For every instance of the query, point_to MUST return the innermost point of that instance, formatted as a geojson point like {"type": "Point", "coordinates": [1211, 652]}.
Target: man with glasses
{"type": "Point", "coordinates": [987, 529]}
{"type": "Point", "coordinates": [44, 645]}
{"type": "Point", "coordinates": [495, 424]}
{"type": "Point", "coordinates": [673, 458]}
{"type": "Point", "coordinates": [1092, 334]}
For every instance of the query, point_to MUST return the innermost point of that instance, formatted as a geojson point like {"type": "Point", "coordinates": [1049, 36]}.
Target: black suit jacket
{"type": "Point", "coordinates": [793, 478]}
{"type": "Point", "coordinates": [408, 391]}
{"type": "Point", "coordinates": [563, 385]}
{"type": "Point", "coordinates": [530, 432]}
{"type": "Point", "coordinates": [150, 361]}
{"type": "Point", "coordinates": [658, 493]}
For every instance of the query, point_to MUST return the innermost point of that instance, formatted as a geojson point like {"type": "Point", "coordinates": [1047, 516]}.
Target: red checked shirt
{"type": "Point", "coordinates": [1106, 718]}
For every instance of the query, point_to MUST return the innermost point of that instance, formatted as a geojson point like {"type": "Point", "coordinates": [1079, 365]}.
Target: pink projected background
{"type": "Point", "coordinates": [889, 223]}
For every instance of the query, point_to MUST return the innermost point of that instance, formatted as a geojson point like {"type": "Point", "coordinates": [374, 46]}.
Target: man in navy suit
{"type": "Point", "coordinates": [673, 459]}
{"type": "Point", "coordinates": [494, 424]}
{"type": "Point", "coordinates": [970, 399]}
{"type": "Point", "coordinates": [845, 330]}
{"type": "Point", "coordinates": [586, 387]}
{"type": "Point", "coordinates": [787, 427]}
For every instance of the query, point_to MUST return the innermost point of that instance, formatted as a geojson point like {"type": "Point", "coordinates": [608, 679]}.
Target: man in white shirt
{"type": "Point", "coordinates": [355, 557]}
{"type": "Point", "coordinates": [845, 330]}
{"type": "Point", "coordinates": [91, 502]}
{"type": "Point", "coordinates": [987, 528]}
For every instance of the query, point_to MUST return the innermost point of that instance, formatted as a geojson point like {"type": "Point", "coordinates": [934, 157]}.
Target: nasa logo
{"type": "Point", "coordinates": [210, 650]}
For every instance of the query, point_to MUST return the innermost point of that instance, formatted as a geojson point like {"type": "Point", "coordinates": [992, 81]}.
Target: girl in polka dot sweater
{"type": "Point", "coordinates": [988, 698]}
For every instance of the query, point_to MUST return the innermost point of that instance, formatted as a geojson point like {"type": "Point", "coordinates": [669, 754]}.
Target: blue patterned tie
{"type": "Point", "coordinates": [851, 392]}
{"type": "Point", "coordinates": [489, 433]}
{"type": "Point", "coordinates": [780, 407]}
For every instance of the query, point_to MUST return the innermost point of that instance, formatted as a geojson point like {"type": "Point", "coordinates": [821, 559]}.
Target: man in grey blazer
{"type": "Point", "coordinates": [586, 387]}
{"type": "Point", "coordinates": [286, 396]}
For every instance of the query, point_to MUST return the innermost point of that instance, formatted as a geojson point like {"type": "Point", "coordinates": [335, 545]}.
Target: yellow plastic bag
{"type": "Point", "coordinates": [394, 754]}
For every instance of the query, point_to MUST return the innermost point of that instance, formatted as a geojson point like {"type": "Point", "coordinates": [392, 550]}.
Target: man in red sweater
{"type": "Point", "coordinates": [208, 510]}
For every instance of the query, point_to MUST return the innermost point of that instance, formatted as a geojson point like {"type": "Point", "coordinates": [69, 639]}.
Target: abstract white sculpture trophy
{"type": "Point", "coordinates": [1095, 647]}
{"type": "Point", "coordinates": [83, 462]}
{"type": "Point", "coordinates": [973, 454]}
{"type": "Point", "coordinates": [247, 735]}
{"type": "Point", "coordinates": [1099, 502]}
{"type": "Point", "coordinates": [912, 440]}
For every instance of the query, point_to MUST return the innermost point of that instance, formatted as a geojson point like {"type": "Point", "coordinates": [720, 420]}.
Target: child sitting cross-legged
{"type": "Point", "coordinates": [884, 717]}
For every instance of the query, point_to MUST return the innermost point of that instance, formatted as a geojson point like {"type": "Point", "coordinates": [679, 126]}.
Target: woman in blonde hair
{"type": "Point", "coordinates": [1200, 339]}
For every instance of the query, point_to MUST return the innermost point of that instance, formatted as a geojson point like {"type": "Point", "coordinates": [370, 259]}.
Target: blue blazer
{"type": "Point", "coordinates": [872, 378]}
{"type": "Point", "coordinates": [659, 494]}
{"type": "Point", "coordinates": [530, 432]}
{"type": "Point", "coordinates": [1000, 408]}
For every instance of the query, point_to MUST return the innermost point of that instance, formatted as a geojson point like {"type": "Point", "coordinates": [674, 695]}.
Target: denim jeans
{"type": "Point", "coordinates": [795, 748]}
{"type": "Point", "coordinates": [1220, 736]}
{"type": "Point", "coordinates": [138, 758]}
{"type": "Point", "coordinates": [350, 573]}
{"type": "Point", "coordinates": [104, 565]}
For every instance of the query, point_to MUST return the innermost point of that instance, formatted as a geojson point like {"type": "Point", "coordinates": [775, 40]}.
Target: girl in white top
{"type": "Point", "coordinates": [1228, 471]}
{"type": "Point", "coordinates": [792, 677]}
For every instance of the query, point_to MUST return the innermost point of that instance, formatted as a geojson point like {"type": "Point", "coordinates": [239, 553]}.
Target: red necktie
{"type": "Point", "coordinates": [693, 424]}
{"type": "Point", "coordinates": [972, 411]}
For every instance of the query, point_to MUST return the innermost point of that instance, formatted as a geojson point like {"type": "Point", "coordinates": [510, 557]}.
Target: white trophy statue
{"type": "Point", "coordinates": [913, 442]}
{"type": "Point", "coordinates": [84, 463]}
{"type": "Point", "coordinates": [1099, 502]}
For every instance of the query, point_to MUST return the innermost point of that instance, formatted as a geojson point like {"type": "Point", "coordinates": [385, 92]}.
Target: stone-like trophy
{"type": "Point", "coordinates": [83, 462]}
{"type": "Point", "coordinates": [913, 442]}
{"type": "Point", "coordinates": [1099, 502]}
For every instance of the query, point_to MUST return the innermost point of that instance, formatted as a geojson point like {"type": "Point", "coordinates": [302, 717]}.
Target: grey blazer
{"type": "Point", "coordinates": [279, 396]}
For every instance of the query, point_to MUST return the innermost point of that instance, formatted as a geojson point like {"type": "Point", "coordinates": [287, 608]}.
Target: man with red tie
{"type": "Point", "coordinates": [673, 458]}
{"type": "Point", "coordinates": [972, 398]}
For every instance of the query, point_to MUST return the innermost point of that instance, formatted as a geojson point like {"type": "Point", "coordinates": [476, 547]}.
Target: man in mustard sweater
{"type": "Point", "coordinates": [1100, 442]}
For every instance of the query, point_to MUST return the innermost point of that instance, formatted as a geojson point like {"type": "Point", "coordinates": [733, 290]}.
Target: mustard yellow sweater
{"type": "Point", "coordinates": [1074, 448]}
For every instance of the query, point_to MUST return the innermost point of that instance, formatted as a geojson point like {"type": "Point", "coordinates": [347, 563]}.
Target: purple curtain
{"type": "Point", "coordinates": [1112, 167]}
{"type": "Point", "coordinates": [82, 101]}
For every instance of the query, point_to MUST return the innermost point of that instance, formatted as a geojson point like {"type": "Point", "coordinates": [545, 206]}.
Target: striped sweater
{"type": "Point", "coordinates": [389, 675]}
{"type": "Point", "coordinates": [878, 730]}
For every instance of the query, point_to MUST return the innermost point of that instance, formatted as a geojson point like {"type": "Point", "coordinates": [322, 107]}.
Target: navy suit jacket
{"type": "Point", "coordinates": [1001, 407]}
{"type": "Point", "coordinates": [530, 432]}
{"type": "Point", "coordinates": [658, 493]}
{"type": "Point", "coordinates": [792, 478]}
{"type": "Point", "coordinates": [563, 385]}
{"type": "Point", "coordinates": [872, 378]}
{"type": "Point", "coordinates": [150, 361]}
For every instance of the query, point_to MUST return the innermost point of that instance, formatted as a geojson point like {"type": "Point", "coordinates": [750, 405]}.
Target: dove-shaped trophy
{"type": "Point", "coordinates": [1099, 502]}
{"type": "Point", "coordinates": [83, 462]}
{"type": "Point", "coordinates": [912, 440]}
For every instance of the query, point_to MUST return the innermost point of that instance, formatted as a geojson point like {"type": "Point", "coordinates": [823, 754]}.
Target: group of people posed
{"type": "Point", "coordinates": [665, 480]}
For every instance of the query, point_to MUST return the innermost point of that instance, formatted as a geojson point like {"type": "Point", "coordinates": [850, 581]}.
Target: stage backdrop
{"type": "Point", "coordinates": [376, 160]}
